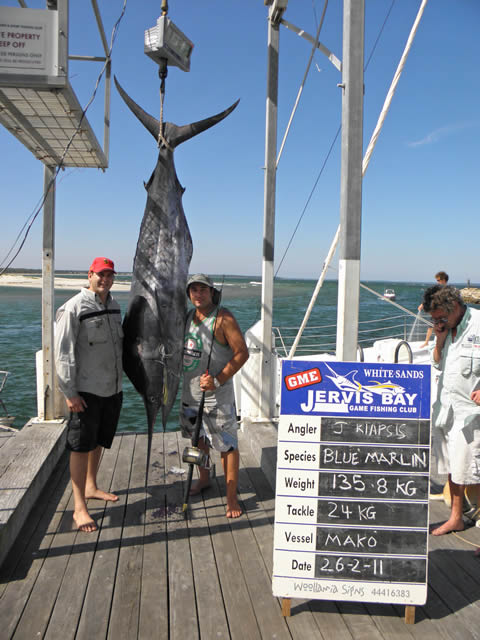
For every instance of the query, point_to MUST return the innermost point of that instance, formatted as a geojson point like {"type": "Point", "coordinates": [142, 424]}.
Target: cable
{"type": "Point", "coordinates": [65, 151]}
{"type": "Point", "coordinates": [331, 148]}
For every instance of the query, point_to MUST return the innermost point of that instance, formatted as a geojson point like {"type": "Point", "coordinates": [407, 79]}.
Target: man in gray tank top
{"type": "Point", "coordinates": [212, 332]}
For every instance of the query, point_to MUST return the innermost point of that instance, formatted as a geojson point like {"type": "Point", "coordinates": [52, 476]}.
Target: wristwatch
{"type": "Point", "coordinates": [216, 383]}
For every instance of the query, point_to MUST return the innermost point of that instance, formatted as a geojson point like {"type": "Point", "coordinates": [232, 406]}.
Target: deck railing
{"type": "Point", "coordinates": [322, 339]}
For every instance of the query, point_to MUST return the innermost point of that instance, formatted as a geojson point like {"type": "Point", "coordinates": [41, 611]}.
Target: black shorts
{"type": "Point", "coordinates": [96, 425]}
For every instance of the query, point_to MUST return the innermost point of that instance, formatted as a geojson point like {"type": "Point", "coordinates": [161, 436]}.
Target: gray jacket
{"type": "Point", "coordinates": [88, 345]}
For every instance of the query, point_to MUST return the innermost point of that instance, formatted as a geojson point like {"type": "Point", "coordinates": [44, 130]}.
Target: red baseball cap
{"type": "Point", "coordinates": [102, 264]}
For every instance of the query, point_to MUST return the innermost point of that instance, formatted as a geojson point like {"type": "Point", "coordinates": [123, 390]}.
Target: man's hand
{"type": "Point", "coordinates": [76, 404]}
{"type": "Point", "coordinates": [475, 396]}
{"type": "Point", "coordinates": [207, 382]}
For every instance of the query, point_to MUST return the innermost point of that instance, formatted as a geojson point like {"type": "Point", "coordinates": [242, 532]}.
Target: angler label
{"type": "Point", "coordinates": [351, 510]}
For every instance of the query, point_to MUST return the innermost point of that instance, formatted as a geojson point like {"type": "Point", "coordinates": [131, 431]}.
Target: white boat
{"type": "Point", "coordinates": [389, 294]}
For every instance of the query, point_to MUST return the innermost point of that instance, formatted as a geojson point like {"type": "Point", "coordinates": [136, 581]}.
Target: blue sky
{"type": "Point", "coordinates": [420, 192]}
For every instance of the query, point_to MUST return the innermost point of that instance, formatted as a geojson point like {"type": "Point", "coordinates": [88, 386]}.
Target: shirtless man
{"type": "Point", "coordinates": [212, 329]}
{"type": "Point", "coordinates": [88, 359]}
{"type": "Point", "coordinates": [456, 411]}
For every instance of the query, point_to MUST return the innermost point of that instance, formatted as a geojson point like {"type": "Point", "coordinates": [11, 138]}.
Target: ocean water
{"type": "Point", "coordinates": [20, 330]}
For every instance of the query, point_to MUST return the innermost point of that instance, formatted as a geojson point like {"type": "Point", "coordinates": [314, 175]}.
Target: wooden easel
{"type": "Point", "coordinates": [409, 610]}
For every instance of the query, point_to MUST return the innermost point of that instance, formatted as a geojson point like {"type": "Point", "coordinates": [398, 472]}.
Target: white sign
{"type": "Point", "coordinates": [353, 459]}
{"type": "Point", "coordinates": [28, 41]}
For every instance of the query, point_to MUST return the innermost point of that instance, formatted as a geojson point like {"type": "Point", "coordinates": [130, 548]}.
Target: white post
{"type": "Point", "coordinates": [351, 179]}
{"type": "Point", "coordinates": [48, 295]}
{"type": "Point", "coordinates": [269, 220]}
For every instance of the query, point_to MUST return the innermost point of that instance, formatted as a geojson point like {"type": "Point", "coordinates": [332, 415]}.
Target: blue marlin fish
{"type": "Point", "coordinates": [348, 383]}
{"type": "Point", "coordinates": [154, 322]}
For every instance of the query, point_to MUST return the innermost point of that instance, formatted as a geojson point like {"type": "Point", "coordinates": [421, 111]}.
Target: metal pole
{"type": "Point", "coordinates": [269, 219]}
{"type": "Point", "coordinates": [48, 294]}
{"type": "Point", "coordinates": [351, 179]}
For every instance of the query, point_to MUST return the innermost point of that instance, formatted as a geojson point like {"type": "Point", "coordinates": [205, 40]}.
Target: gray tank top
{"type": "Point", "coordinates": [197, 345]}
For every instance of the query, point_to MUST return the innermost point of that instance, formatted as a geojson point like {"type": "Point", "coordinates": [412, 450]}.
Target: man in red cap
{"type": "Point", "coordinates": [88, 359]}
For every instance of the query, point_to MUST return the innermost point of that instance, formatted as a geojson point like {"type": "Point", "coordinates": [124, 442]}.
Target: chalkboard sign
{"type": "Point", "coordinates": [353, 463]}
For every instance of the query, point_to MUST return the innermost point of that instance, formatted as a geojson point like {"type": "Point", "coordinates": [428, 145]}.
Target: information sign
{"type": "Point", "coordinates": [28, 41]}
{"type": "Point", "coordinates": [353, 463]}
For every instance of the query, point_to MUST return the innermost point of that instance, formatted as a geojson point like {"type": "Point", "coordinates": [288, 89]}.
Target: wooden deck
{"type": "Point", "coordinates": [149, 572]}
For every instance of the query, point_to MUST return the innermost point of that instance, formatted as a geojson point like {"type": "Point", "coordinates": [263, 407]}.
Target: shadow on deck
{"type": "Point", "coordinates": [149, 572]}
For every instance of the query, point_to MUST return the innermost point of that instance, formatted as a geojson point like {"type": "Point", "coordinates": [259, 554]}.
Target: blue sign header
{"type": "Point", "coordinates": [355, 389]}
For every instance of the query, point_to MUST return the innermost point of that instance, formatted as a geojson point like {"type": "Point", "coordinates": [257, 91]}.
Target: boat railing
{"type": "Point", "coordinates": [319, 339]}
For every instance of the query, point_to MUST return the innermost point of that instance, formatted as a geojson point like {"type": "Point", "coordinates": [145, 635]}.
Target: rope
{"type": "Point", "coordinates": [161, 138]}
{"type": "Point", "coordinates": [314, 47]}
{"type": "Point", "coordinates": [393, 87]}
{"type": "Point", "coordinates": [395, 304]}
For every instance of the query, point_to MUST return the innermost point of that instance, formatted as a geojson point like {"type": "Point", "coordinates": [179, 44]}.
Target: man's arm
{"type": "Point", "coordinates": [66, 332]}
{"type": "Point", "coordinates": [228, 332]}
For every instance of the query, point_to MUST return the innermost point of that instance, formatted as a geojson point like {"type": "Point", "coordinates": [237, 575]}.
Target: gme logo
{"type": "Point", "coordinates": [303, 379]}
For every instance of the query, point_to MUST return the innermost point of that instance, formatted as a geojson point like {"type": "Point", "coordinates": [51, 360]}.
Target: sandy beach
{"type": "Point", "coordinates": [35, 281]}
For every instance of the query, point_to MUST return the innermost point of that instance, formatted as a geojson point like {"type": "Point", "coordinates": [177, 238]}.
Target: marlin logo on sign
{"type": "Point", "coordinates": [347, 395]}
{"type": "Point", "coordinates": [349, 383]}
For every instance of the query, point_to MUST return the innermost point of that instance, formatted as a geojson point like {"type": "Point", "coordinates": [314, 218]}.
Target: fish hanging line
{"type": "Point", "coordinates": [163, 72]}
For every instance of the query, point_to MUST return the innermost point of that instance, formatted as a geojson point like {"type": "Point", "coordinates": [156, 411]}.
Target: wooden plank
{"type": "Point", "coordinates": [27, 461]}
{"type": "Point", "coordinates": [37, 612]}
{"type": "Point", "coordinates": [359, 623]}
{"type": "Point", "coordinates": [388, 621]}
{"type": "Point", "coordinates": [267, 609]}
{"type": "Point", "coordinates": [24, 562]}
{"type": "Point", "coordinates": [68, 606]}
{"type": "Point", "coordinates": [233, 582]}
{"type": "Point", "coordinates": [35, 525]}
{"type": "Point", "coordinates": [454, 600]}
{"type": "Point", "coordinates": [212, 619]}
{"type": "Point", "coordinates": [182, 607]}
{"type": "Point", "coordinates": [46, 592]}
{"type": "Point", "coordinates": [128, 584]}
{"type": "Point", "coordinates": [153, 622]}
{"type": "Point", "coordinates": [95, 615]}
{"type": "Point", "coordinates": [309, 618]}
{"type": "Point", "coordinates": [4, 437]}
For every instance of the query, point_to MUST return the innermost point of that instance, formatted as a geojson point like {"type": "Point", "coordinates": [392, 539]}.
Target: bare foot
{"type": "Point", "coordinates": [198, 486]}
{"type": "Point", "coordinates": [84, 522]}
{"type": "Point", "coordinates": [448, 527]}
{"type": "Point", "coordinates": [234, 510]}
{"type": "Point", "coordinates": [98, 494]}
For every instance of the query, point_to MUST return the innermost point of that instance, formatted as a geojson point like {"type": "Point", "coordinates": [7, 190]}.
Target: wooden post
{"type": "Point", "coordinates": [286, 602]}
{"type": "Point", "coordinates": [409, 614]}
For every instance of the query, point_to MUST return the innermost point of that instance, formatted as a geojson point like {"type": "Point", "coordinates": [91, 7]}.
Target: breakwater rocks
{"type": "Point", "coordinates": [470, 295]}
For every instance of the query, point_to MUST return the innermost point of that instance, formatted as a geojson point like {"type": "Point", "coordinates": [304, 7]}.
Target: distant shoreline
{"type": "Point", "coordinates": [35, 282]}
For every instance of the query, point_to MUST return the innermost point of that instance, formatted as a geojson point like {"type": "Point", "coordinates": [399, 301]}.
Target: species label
{"type": "Point", "coordinates": [353, 464]}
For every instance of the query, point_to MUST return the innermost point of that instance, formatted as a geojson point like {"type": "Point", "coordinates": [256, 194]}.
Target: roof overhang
{"type": "Point", "coordinates": [37, 103]}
